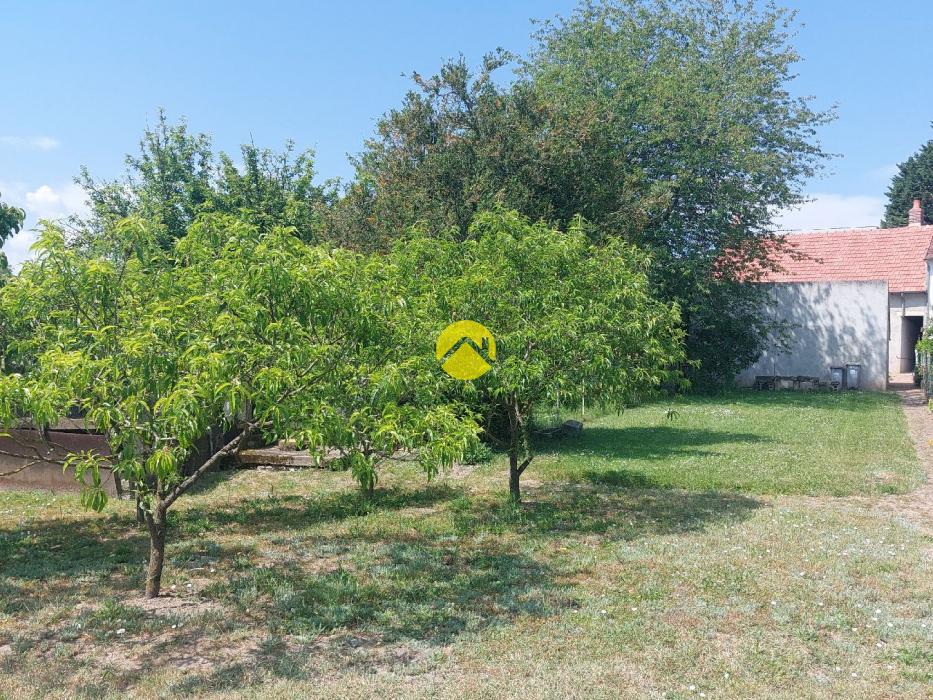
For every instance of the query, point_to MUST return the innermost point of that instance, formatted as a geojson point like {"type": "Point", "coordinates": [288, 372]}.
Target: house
{"type": "Point", "coordinates": [856, 296]}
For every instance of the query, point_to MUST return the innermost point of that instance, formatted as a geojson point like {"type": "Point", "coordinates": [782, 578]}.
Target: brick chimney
{"type": "Point", "coordinates": [915, 215]}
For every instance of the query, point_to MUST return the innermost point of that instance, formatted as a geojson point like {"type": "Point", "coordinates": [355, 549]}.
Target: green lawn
{"type": "Point", "coordinates": [625, 574]}
{"type": "Point", "coordinates": [754, 442]}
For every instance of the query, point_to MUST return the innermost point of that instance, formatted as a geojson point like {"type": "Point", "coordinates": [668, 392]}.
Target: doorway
{"type": "Point", "coordinates": [911, 327]}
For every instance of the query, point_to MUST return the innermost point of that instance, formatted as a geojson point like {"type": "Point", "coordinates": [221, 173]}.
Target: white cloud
{"type": "Point", "coordinates": [41, 143]}
{"type": "Point", "coordinates": [17, 248]}
{"type": "Point", "coordinates": [43, 202]}
{"type": "Point", "coordinates": [825, 210]}
{"type": "Point", "coordinates": [46, 202]}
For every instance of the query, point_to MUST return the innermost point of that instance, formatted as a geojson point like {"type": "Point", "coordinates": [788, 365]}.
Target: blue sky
{"type": "Point", "coordinates": [81, 80]}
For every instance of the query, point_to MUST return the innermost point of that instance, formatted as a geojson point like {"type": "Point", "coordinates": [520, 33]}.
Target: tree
{"type": "Point", "coordinates": [388, 396]}
{"type": "Point", "coordinates": [176, 176]}
{"type": "Point", "coordinates": [384, 407]}
{"type": "Point", "coordinates": [458, 145]}
{"type": "Point", "coordinates": [567, 316]}
{"type": "Point", "coordinates": [249, 330]}
{"type": "Point", "coordinates": [668, 124]}
{"type": "Point", "coordinates": [11, 223]}
{"type": "Point", "coordinates": [914, 180]}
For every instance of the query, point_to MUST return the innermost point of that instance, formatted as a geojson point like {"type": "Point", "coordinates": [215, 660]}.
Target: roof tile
{"type": "Point", "coordinates": [895, 255]}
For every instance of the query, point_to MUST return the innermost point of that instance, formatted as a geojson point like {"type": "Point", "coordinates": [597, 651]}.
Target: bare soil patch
{"type": "Point", "coordinates": [171, 605]}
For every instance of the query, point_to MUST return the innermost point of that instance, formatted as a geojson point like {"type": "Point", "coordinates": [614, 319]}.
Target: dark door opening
{"type": "Point", "coordinates": [911, 327]}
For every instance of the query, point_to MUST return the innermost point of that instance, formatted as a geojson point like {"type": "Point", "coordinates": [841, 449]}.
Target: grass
{"type": "Point", "coordinates": [651, 559]}
{"type": "Point", "coordinates": [828, 443]}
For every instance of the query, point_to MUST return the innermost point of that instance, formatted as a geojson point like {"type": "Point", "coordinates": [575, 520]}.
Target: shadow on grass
{"type": "Point", "coordinates": [428, 590]}
{"type": "Point", "coordinates": [619, 513]}
{"type": "Point", "coordinates": [265, 513]}
{"type": "Point", "coordinates": [621, 478]}
{"type": "Point", "coordinates": [361, 596]}
{"type": "Point", "coordinates": [62, 558]}
{"type": "Point", "coordinates": [434, 586]}
{"type": "Point", "coordinates": [662, 442]}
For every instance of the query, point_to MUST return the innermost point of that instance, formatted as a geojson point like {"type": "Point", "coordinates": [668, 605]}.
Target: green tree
{"type": "Point", "coordinates": [176, 176]}
{"type": "Point", "coordinates": [169, 181]}
{"type": "Point", "coordinates": [385, 407]}
{"type": "Point", "coordinates": [914, 180]}
{"type": "Point", "coordinates": [458, 145]}
{"type": "Point", "coordinates": [251, 330]}
{"type": "Point", "coordinates": [567, 317]}
{"type": "Point", "coordinates": [668, 124]}
{"type": "Point", "coordinates": [11, 223]}
{"type": "Point", "coordinates": [272, 188]}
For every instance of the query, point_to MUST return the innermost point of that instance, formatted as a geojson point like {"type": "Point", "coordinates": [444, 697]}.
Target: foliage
{"type": "Point", "coordinates": [925, 343]}
{"type": "Point", "coordinates": [176, 176]}
{"type": "Point", "coordinates": [567, 317]}
{"type": "Point", "coordinates": [11, 222]}
{"type": "Point", "coordinates": [670, 125]}
{"type": "Point", "coordinates": [914, 180]}
{"type": "Point", "coordinates": [458, 145]}
{"type": "Point", "coordinates": [479, 453]}
{"type": "Point", "coordinates": [248, 330]}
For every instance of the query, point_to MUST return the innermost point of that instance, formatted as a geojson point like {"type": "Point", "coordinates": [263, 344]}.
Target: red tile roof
{"type": "Point", "coordinates": [895, 255]}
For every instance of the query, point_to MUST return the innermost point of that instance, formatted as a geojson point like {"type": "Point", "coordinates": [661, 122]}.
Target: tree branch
{"type": "Point", "coordinates": [524, 465]}
{"type": "Point", "coordinates": [203, 469]}
{"type": "Point", "coordinates": [39, 456]}
{"type": "Point", "coordinates": [19, 469]}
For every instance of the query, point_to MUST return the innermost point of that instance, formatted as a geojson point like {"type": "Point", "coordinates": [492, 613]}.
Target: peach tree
{"type": "Point", "coordinates": [565, 313]}
{"type": "Point", "coordinates": [252, 332]}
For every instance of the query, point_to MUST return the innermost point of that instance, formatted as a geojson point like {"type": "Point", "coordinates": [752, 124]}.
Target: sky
{"type": "Point", "coordinates": [80, 81]}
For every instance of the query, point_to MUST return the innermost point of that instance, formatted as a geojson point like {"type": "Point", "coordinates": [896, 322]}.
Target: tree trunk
{"type": "Point", "coordinates": [515, 493]}
{"type": "Point", "coordinates": [157, 525]}
{"type": "Point", "coordinates": [514, 475]}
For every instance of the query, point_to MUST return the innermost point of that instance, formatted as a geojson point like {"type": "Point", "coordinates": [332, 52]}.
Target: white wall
{"type": "Point", "coordinates": [835, 323]}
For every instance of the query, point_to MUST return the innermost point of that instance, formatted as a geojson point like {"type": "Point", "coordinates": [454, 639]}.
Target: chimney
{"type": "Point", "coordinates": [915, 215]}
